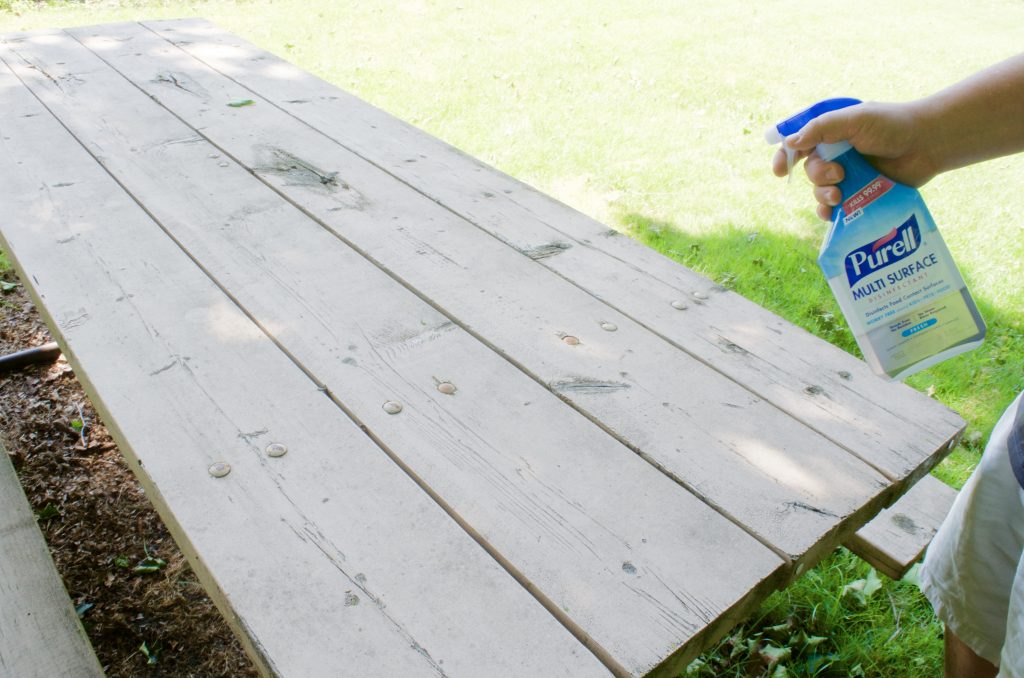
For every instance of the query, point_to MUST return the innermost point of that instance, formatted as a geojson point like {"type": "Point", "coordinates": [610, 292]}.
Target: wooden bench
{"type": "Point", "coordinates": [899, 535]}
{"type": "Point", "coordinates": [40, 634]}
{"type": "Point", "coordinates": [401, 409]}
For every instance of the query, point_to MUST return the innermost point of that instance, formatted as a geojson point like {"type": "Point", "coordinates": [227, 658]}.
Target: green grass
{"type": "Point", "coordinates": [648, 116]}
{"type": "Point", "coordinates": [828, 630]}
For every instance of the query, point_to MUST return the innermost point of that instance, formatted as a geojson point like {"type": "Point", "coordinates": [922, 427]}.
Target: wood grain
{"type": "Point", "coordinates": [40, 635]}
{"type": "Point", "coordinates": [703, 429]}
{"type": "Point", "coordinates": [898, 536]}
{"type": "Point", "coordinates": [815, 382]}
{"type": "Point", "coordinates": [601, 533]}
{"type": "Point", "coordinates": [329, 560]}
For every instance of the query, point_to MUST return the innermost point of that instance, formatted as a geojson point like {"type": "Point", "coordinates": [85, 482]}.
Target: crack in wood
{"type": "Point", "coordinates": [544, 251]}
{"type": "Point", "coordinates": [587, 386]}
{"type": "Point", "coordinates": [812, 509]}
{"type": "Point", "coordinates": [184, 83]}
{"type": "Point", "coordinates": [310, 534]}
{"type": "Point", "coordinates": [299, 172]}
{"type": "Point", "coordinates": [166, 367]}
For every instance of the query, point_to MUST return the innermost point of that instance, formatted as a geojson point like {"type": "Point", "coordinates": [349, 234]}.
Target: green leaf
{"type": "Point", "coordinates": [773, 655]}
{"type": "Point", "coordinates": [694, 667]}
{"type": "Point", "coordinates": [8, 286]}
{"type": "Point", "coordinates": [860, 590]}
{"type": "Point", "coordinates": [81, 609]}
{"type": "Point", "coordinates": [149, 565]}
{"type": "Point", "coordinates": [78, 424]}
{"type": "Point", "coordinates": [148, 653]}
{"type": "Point", "coordinates": [814, 641]}
{"type": "Point", "coordinates": [780, 672]}
{"type": "Point", "coordinates": [122, 562]}
{"type": "Point", "coordinates": [238, 103]}
{"type": "Point", "coordinates": [48, 513]}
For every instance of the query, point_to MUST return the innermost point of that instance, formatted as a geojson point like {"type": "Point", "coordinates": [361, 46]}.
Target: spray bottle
{"type": "Point", "coordinates": [887, 265]}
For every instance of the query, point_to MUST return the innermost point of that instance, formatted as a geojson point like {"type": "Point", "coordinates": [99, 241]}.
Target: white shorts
{"type": "Point", "coordinates": [973, 573]}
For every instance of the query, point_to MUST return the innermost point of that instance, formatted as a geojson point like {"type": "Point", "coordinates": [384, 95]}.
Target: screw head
{"type": "Point", "coordinates": [391, 407]}
{"type": "Point", "coordinates": [679, 305]}
{"type": "Point", "coordinates": [609, 327]}
{"type": "Point", "coordinates": [699, 295]}
{"type": "Point", "coordinates": [277, 449]}
{"type": "Point", "coordinates": [571, 340]}
{"type": "Point", "coordinates": [219, 469]}
{"type": "Point", "coordinates": [446, 388]}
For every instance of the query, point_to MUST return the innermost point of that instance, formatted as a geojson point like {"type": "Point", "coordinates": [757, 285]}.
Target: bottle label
{"type": "Point", "coordinates": [896, 282]}
{"type": "Point", "coordinates": [897, 244]}
{"type": "Point", "coordinates": [875, 189]}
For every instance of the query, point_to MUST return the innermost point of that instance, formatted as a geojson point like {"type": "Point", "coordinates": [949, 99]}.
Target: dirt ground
{"type": "Point", "coordinates": [135, 592]}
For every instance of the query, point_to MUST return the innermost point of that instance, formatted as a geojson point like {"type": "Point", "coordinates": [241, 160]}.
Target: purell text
{"type": "Point", "coordinates": [897, 244]}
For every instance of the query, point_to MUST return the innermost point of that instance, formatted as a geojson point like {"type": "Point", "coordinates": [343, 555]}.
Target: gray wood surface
{"type": "Point", "coordinates": [603, 534]}
{"type": "Point", "coordinates": [329, 560]}
{"type": "Point", "coordinates": [702, 428]}
{"type": "Point", "coordinates": [898, 536]}
{"type": "Point", "coordinates": [40, 635]}
{"type": "Point", "coordinates": [813, 381]}
{"type": "Point", "coordinates": [605, 470]}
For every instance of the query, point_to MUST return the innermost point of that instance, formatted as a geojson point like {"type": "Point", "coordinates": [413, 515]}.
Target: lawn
{"type": "Point", "coordinates": [649, 117]}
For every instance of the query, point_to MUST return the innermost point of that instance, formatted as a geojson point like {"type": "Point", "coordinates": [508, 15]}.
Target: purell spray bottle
{"type": "Point", "coordinates": [890, 271]}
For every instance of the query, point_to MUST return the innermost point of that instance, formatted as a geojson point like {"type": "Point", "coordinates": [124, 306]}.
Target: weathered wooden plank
{"type": "Point", "coordinates": [896, 539]}
{"type": "Point", "coordinates": [604, 535]}
{"type": "Point", "coordinates": [702, 428]}
{"type": "Point", "coordinates": [328, 560]}
{"type": "Point", "coordinates": [40, 635]}
{"type": "Point", "coordinates": [821, 385]}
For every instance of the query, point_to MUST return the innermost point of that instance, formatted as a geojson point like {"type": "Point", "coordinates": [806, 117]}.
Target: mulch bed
{"type": "Point", "coordinates": [135, 592]}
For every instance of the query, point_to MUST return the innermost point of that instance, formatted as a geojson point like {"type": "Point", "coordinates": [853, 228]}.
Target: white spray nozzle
{"type": "Point", "coordinates": [773, 136]}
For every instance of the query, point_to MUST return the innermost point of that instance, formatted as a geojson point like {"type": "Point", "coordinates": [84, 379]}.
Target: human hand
{"type": "Point", "coordinates": [890, 136]}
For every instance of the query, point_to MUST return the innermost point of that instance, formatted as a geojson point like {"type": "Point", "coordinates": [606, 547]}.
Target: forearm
{"type": "Point", "coordinates": [979, 118]}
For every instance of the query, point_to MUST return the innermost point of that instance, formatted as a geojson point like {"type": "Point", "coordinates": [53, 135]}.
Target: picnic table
{"type": "Point", "coordinates": [404, 414]}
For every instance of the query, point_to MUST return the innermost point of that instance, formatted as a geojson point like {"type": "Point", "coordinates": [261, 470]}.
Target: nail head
{"type": "Point", "coordinates": [446, 387]}
{"type": "Point", "coordinates": [679, 305]}
{"type": "Point", "coordinates": [609, 327]}
{"type": "Point", "coordinates": [699, 295]}
{"type": "Point", "coordinates": [571, 340]}
{"type": "Point", "coordinates": [219, 469]}
{"type": "Point", "coordinates": [391, 407]}
{"type": "Point", "coordinates": [276, 449]}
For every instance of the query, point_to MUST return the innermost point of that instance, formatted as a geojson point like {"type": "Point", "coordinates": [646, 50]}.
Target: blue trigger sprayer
{"type": "Point", "coordinates": [888, 267]}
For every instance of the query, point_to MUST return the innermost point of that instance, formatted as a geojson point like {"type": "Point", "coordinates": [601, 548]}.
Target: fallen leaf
{"type": "Point", "coordinates": [773, 655]}
{"type": "Point", "coordinates": [238, 103]}
{"type": "Point", "coordinates": [149, 564]}
{"type": "Point", "coordinates": [49, 512]}
{"type": "Point", "coordinates": [149, 654]}
{"type": "Point", "coordinates": [913, 575]}
{"type": "Point", "coordinates": [859, 591]}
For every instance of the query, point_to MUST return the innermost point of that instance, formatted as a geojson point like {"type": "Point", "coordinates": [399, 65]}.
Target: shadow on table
{"type": "Point", "coordinates": [780, 272]}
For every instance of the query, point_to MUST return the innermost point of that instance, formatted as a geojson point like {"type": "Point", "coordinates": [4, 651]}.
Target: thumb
{"type": "Point", "coordinates": [829, 128]}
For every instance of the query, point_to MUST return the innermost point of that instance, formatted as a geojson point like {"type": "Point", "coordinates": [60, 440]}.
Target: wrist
{"type": "Point", "coordinates": [929, 140]}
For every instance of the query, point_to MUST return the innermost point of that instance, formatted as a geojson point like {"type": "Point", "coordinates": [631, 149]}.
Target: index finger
{"type": "Point", "coordinates": [779, 167]}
